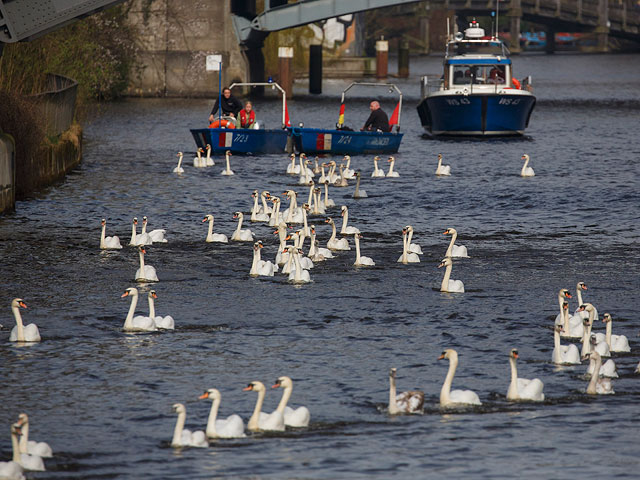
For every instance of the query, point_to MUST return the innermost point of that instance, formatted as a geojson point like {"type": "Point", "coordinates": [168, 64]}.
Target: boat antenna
{"type": "Point", "coordinates": [497, 16]}
{"type": "Point", "coordinates": [448, 32]}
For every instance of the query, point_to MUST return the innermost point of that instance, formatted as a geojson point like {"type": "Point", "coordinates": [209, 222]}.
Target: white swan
{"type": "Point", "coordinates": [198, 161]}
{"type": "Point", "coordinates": [142, 239]}
{"type": "Point", "coordinates": [328, 202]}
{"type": "Point", "coordinates": [608, 368]}
{"type": "Point", "coordinates": [447, 285]}
{"type": "Point", "coordinates": [336, 243]}
{"type": "Point", "coordinates": [240, 235]}
{"type": "Point", "coordinates": [412, 247]}
{"type": "Point", "coordinates": [179, 168]}
{"type": "Point", "coordinates": [599, 385]}
{"type": "Point", "coordinates": [346, 230]}
{"type": "Point", "coordinates": [316, 168]}
{"type": "Point", "coordinates": [214, 237]}
{"type": "Point", "coordinates": [332, 176]}
{"type": "Point", "coordinates": [166, 322]}
{"type": "Point", "coordinates": [12, 470]}
{"type": "Point", "coordinates": [40, 449]}
{"type": "Point", "coordinates": [306, 174]}
{"type": "Point", "coordinates": [227, 170]}
{"type": "Point", "coordinates": [617, 343]}
{"type": "Point", "coordinates": [359, 193]}
{"type": "Point", "coordinates": [298, 417]}
{"type": "Point", "coordinates": [157, 235]}
{"type": "Point", "coordinates": [209, 161]}
{"type": "Point", "coordinates": [348, 172]}
{"type": "Point", "coordinates": [377, 172]}
{"type": "Point", "coordinates": [572, 327]}
{"type": "Point", "coordinates": [407, 256]}
{"type": "Point", "coordinates": [580, 286]}
{"type": "Point", "coordinates": [522, 388]}
{"type": "Point", "coordinates": [392, 172]}
{"type": "Point", "coordinates": [456, 397]}
{"type": "Point", "coordinates": [324, 252]}
{"type": "Point", "coordinates": [108, 243]}
{"type": "Point", "coordinates": [299, 275]}
{"type": "Point", "coordinates": [146, 273]}
{"type": "Point", "coordinates": [298, 241]}
{"type": "Point", "coordinates": [264, 196]}
{"type": "Point", "coordinates": [562, 295]}
{"type": "Point", "coordinates": [139, 323]}
{"type": "Point", "coordinates": [293, 214]}
{"type": "Point", "coordinates": [21, 332]}
{"type": "Point", "coordinates": [442, 169]}
{"type": "Point", "coordinates": [183, 437]}
{"type": "Point", "coordinates": [293, 168]}
{"type": "Point", "coordinates": [230, 427]}
{"type": "Point", "coordinates": [256, 210]}
{"type": "Point", "coordinates": [563, 354]}
{"type": "Point", "coordinates": [276, 216]}
{"type": "Point", "coordinates": [361, 261]}
{"type": "Point", "coordinates": [261, 267]}
{"type": "Point", "coordinates": [27, 461]}
{"type": "Point", "coordinates": [342, 180]}
{"type": "Point", "coordinates": [459, 251]}
{"type": "Point", "coordinates": [526, 171]}
{"type": "Point", "coordinates": [259, 420]}
{"type": "Point", "coordinates": [318, 205]}
{"type": "Point", "coordinates": [598, 343]}
{"type": "Point", "coordinates": [406, 402]}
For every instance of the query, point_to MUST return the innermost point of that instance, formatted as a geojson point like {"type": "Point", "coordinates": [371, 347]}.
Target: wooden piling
{"type": "Point", "coordinates": [382, 58]}
{"type": "Point", "coordinates": [285, 57]}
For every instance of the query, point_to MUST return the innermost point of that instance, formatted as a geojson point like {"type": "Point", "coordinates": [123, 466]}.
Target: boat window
{"type": "Point", "coordinates": [478, 74]}
{"type": "Point", "coordinates": [482, 47]}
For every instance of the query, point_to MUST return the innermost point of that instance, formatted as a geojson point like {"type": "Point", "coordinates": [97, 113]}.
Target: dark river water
{"type": "Point", "coordinates": [102, 398]}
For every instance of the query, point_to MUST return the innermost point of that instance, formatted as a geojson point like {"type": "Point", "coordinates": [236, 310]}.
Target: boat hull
{"type": "Point", "coordinates": [241, 140]}
{"type": "Point", "coordinates": [492, 114]}
{"type": "Point", "coordinates": [344, 142]}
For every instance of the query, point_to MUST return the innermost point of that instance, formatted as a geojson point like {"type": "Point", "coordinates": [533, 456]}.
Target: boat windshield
{"type": "Point", "coordinates": [477, 47]}
{"type": "Point", "coordinates": [478, 74]}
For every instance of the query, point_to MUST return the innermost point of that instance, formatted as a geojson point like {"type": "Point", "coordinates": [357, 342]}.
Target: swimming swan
{"type": "Point", "coordinates": [230, 427]}
{"type": "Point", "coordinates": [406, 402]}
{"type": "Point", "coordinates": [261, 267]}
{"type": "Point", "coordinates": [407, 255]}
{"type": "Point", "coordinates": [292, 418]}
{"type": "Point", "coordinates": [179, 168]}
{"type": "Point", "coordinates": [22, 333]}
{"type": "Point", "coordinates": [139, 323]}
{"type": "Point", "coordinates": [166, 322]}
{"type": "Point", "coordinates": [391, 172]}
{"type": "Point", "coordinates": [456, 397]}
{"type": "Point", "coordinates": [442, 169]}
{"type": "Point", "coordinates": [346, 230]}
{"type": "Point", "coordinates": [146, 273]}
{"type": "Point", "coordinates": [12, 470]}
{"type": "Point", "coordinates": [526, 170]}
{"type": "Point", "coordinates": [227, 170]}
{"type": "Point", "coordinates": [41, 449]}
{"type": "Point", "coordinates": [599, 385]}
{"type": "Point", "coordinates": [336, 243]}
{"type": "Point", "coordinates": [522, 388]}
{"type": "Point", "coordinates": [240, 235]}
{"type": "Point", "coordinates": [447, 285]}
{"type": "Point", "coordinates": [563, 354]}
{"type": "Point", "coordinates": [183, 437]}
{"type": "Point", "coordinates": [198, 161]}
{"type": "Point", "coordinates": [377, 172]}
{"type": "Point", "coordinates": [361, 261]}
{"type": "Point", "coordinates": [209, 161]}
{"type": "Point", "coordinates": [359, 193]}
{"type": "Point", "coordinates": [156, 235]}
{"type": "Point", "coordinates": [263, 421]}
{"type": "Point", "coordinates": [214, 237]}
{"type": "Point", "coordinates": [458, 251]}
{"type": "Point", "coordinates": [617, 343]}
{"type": "Point", "coordinates": [108, 243]}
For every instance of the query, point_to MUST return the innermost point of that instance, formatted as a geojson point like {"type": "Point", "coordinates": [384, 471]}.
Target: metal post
{"type": "Point", "coordinates": [550, 35]}
{"type": "Point", "coordinates": [220, 95]}
{"type": "Point", "coordinates": [285, 54]}
{"type": "Point", "coordinates": [403, 59]}
{"type": "Point", "coordinates": [315, 69]}
{"type": "Point", "coordinates": [382, 58]}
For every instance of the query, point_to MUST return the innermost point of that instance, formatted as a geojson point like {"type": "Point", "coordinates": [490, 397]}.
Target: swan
{"type": "Point", "coordinates": [328, 202]}
{"type": "Point", "coordinates": [563, 354]}
{"type": "Point", "coordinates": [391, 172]}
{"type": "Point", "coordinates": [526, 170]}
{"type": "Point", "coordinates": [299, 275]}
{"type": "Point", "coordinates": [298, 242]}
{"type": "Point", "coordinates": [166, 322]}
{"type": "Point", "coordinates": [562, 295]}
{"type": "Point", "coordinates": [276, 216]}
{"type": "Point", "coordinates": [456, 397]}
{"type": "Point", "coordinates": [361, 261]}
{"type": "Point", "coordinates": [293, 214]}
{"type": "Point", "coordinates": [332, 176]}
{"type": "Point", "coordinates": [28, 461]}
{"type": "Point", "coordinates": [230, 427]}
{"type": "Point", "coordinates": [261, 267]}
{"type": "Point", "coordinates": [407, 256]}
{"type": "Point", "coordinates": [146, 273]}
{"type": "Point", "coordinates": [342, 180]}
{"type": "Point", "coordinates": [305, 228]}
{"type": "Point", "coordinates": [108, 243]}
{"type": "Point", "coordinates": [318, 206]}
{"type": "Point", "coordinates": [447, 285]}
{"type": "Point", "coordinates": [209, 161]}
{"type": "Point", "coordinates": [598, 385]}
{"type": "Point", "coordinates": [256, 214]}
{"type": "Point", "coordinates": [324, 252]}
{"type": "Point", "coordinates": [157, 235]}
{"type": "Point", "coordinates": [40, 449]}
{"type": "Point", "coordinates": [214, 237]}
{"type": "Point", "coordinates": [22, 333]}
{"type": "Point", "coordinates": [256, 208]}
{"type": "Point", "coordinates": [306, 174]}
{"type": "Point", "coordinates": [442, 169]}
{"type": "Point", "coordinates": [323, 177]}
{"type": "Point", "coordinates": [522, 388]}
{"type": "Point", "coordinates": [316, 168]}
{"type": "Point", "coordinates": [183, 437]}
{"type": "Point", "coordinates": [12, 470]}
{"type": "Point", "coordinates": [599, 344]}
{"type": "Point", "coordinates": [334, 243]}
{"type": "Point", "coordinates": [572, 327]}
{"type": "Point", "coordinates": [348, 172]}
{"type": "Point", "coordinates": [377, 172]}
{"type": "Point", "coordinates": [179, 168]}
{"type": "Point", "coordinates": [138, 323]}
{"type": "Point", "coordinates": [263, 421]}
{"type": "Point", "coordinates": [292, 418]}
{"type": "Point", "coordinates": [608, 368]}
{"type": "Point", "coordinates": [142, 239]}
{"type": "Point", "coordinates": [282, 257]}
{"type": "Point", "coordinates": [459, 251]}
{"type": "Point", "coordinates": [359, 193]}
{"type": "Point", "coordinates": [412, 247]}
{"type": "Point", "coordinates": [227, 170]}
{"type": "Point", "coordinates": [198, 161]}
{"type": "Point", "coordinates": [617, 343]}
{"type": "Point", "coordinates": [264, 196]}
{"type": "Point", "coordinates": [580, 286]}
{"type": "Point", "coordinates": [293, 168]}
{"type": "Point", "coordinates": [406, 402]}
{"type": "Point", "coordinates": [240, 235]}
{"type": "Point", "coordinates": [346, 230]}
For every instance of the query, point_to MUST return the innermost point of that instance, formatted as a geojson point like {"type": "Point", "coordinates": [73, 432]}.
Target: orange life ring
{"type": "Point", "coordinates": [516, 83]}
{"type": "Point", "coordinates": [223, 123]}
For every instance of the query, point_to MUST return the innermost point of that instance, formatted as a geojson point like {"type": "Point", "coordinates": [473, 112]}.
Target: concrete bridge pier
{"type": "Point", "coordinates": [514, 14]}
{"type": "Point", "coordinates": [602, 30]}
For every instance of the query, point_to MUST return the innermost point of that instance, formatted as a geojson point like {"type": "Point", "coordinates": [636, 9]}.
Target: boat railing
{"type": "Point", "coordinates": [429, 84]}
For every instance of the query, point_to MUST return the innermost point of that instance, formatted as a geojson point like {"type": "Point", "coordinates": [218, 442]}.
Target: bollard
{"type": "Point", "coordinates": [403, 59]}
{"type": "Point", "coordinates": [382, 58]}
{"type": "Point", "coordinates": [315, 69]}
{"type": "Point", "coordinates": [285, 54]}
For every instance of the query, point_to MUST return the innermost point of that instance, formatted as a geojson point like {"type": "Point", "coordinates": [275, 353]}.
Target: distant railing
{"type": "Point", "coordinates": [57, 104]}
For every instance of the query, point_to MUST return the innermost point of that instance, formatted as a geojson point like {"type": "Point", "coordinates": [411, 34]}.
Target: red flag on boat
{"type": "Point", "coordinates": [287, 122]}
{"type": "Point", "coordinates": [341, 116]}
{"type": "Point", "coordinates": [394, 116]}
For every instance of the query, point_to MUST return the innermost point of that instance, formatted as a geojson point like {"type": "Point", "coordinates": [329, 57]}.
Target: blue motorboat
{"type": "Point", "coordinates": [477, 94]}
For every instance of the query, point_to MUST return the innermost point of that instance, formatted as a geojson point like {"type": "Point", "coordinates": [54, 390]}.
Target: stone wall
{"type": "Point", "coordinates": [175, 38]}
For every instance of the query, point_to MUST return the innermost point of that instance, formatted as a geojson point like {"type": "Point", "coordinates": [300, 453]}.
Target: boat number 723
{"type": "Point", "coordinates": [240, 138]}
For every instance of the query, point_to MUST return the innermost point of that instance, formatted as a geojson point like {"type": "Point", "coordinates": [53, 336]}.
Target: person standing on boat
{"type": "Point", "coordinates": [378, 120]}
{"type": "Point", "coordinates": [231, 106]}
{"type": "Point", "coordinates": [247, 116]}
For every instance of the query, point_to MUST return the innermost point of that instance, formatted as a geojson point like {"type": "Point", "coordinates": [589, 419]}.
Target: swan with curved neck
{"type": "Point", "coordinates": [328, 202]}
{"type": "Point", "coordinates": [617, 343]}
{"type": "Point", "coordinates": [273, 421]}
{"type": "Point", "coordinates": [562, 295]}
{"type": "Point", "coordinates": [276, 216]}
{"type": "Point", "coordinates": [261, 267]}
{"type": "Point", "coordinates": [264, 196]}
{"type": "Point", "coordinates": [256, 211]}
{"type": "Point", "coordinates": [293, 214]}
{"type": "Point", "coordinates": [442, 169]}
{"type": "Point", "coordinates": [318, 205]}
{"type": "Point", "coordinates": [608, 368]}
{"type": "Point", "coordinates": [392, 172]}
{"type": "Point", "coordinates": [522, 388]}
{"type": "Point", "coordinates": [138, 323]}
{"type": "Point", "coordinates": [450, 397]}
{"type": "Point", "coordinates": [346, 230]}
{"type": "Point", "coordinates": [412, 247]}
{"type": "Point", "coordinates": [306, 174]}
{"type": "Point", "coordinates": [448, 285]}
{"type": "Point", "coordinates": [213, 237]}
{"type": "Point", "coordinates": [342, 180]}
{"type": "Point", "coordinates": [142, 239]}
{"type": "Point", "coordinates": [12, 470]}
{"type": "Point", "coordinates": [318, 251]}
{"type": "Point", "coordinates": [179, 168]}
{"type": "Point", "coordinates": [183, 437]}
{"type": "Point", "coordinates": [377, 172]}
{"type": "Point", "coordinates": [27, 461]}
{"type": "Point", "coordinates": [361, 261]}
{"type": "Point", "coordinates": [336, 243]}
{"type": "Point", "coordinates": [599, 345]}
{"type": "Point", "coordinates": [230, 427]}
{"type": "Point", "coordinates": [299, 275]}
{"type": "Point", "coordinates": [146, 273]}
{"type": "Point", "coordinates": [108, 243]}
{"type": "Point", "coordinates": [227, 170]}
{"type": "Point", "coordinates": [165, 323]}
{"type": "Point", "coordinates": [298, 417]}
{"type": "Point", "coordinates": [572, 327]}
{"type": "Point", "coordinates": [156, 235]}
{"type": "Point", "coordinates": [407, 255]}
{"type": "Point", "coordinates": [580, 286]}
{"type": "Point", "coordinates": [455, 250]}
{"type": "Point", "coordinates": [563, 354]}
{"type": "Point", "coordinates": [198, 161]}
{"type": "Point", "coordinates": [40, 449]}
{"type": "Point", "coordinates": [598, 385]}
{"type": "Point", "coordinates": [406, 402]}
{"type": "Point", "coordinates": [240, 235]}
{"type": "Point", "coordinates": [348, 171]}
{"type": "Point", "coordinates": [22, 332]}
{"type": "Point", "coordinates": [359, 193]}
{"type": "Point", "coordinates": [526, 170]}
{"type": "Point", "coordinates": [292, 168]}
{"type": "Point", "coordinates": [209, 161]}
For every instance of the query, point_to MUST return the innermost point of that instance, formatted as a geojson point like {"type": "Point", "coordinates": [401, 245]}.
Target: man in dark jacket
{"type": "Point", "coordinates": [230, 105]}
{"type": "Point", "coordinates": [378, 120]}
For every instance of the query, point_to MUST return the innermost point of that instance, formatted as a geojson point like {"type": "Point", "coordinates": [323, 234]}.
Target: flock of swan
{"type": "Point", "coordinates": [27, 454]}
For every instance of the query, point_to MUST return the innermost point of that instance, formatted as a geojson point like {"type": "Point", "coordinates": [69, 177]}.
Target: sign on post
{"type": "Point", "coordinates": [213, 63]}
